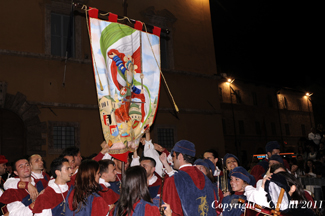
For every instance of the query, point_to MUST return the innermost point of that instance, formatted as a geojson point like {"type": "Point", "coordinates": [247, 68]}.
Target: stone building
{"type": "Point", "coordinates": [255, 113]}
{"type": "Point", "coordinates": [49, 102]}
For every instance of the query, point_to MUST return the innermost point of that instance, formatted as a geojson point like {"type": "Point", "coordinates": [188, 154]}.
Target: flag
{"type": "Point", "coordinates": [126, 66]}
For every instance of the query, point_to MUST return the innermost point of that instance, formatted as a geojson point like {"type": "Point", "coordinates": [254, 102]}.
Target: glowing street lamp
{"type": "Point", "coordinates": [307, 95]}
{"type": "Point", "coordinates": [229, 80]}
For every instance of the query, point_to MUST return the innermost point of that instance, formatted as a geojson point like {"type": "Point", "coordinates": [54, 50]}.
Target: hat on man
{"type": "Point", "coordinates": [276, 158]}
{"type": "Point", "coordinates": [206, 163]}
{"type": "Point", "coordinates": [229, 156]}
{"type": "Point", "coordinates": [272, 145]}
{"type": "Point", "coordinates": [3, 159]}
{"type": "Point", "coordinates": [240, 172]}
{"type": "Point", "coordinates": [184, 147]}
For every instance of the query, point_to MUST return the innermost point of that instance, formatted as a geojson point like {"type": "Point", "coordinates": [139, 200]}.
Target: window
{"type": "Point", "coordinates": [269, 100]}
{"type": "Point", "coordinates": [164, 38]}
{"type": "Point", "coordinates": [241, 127]}
{"type": "Point", "coordinates": [57, 19]}
{"type": "Point", "coordinates": [254, 98]}
{"type": "Point", "coordinates": [286, 126]}
{"type": "Point", "coordinates": [303, 130]}
{"type": "Point", "coordinates": [220, 94]}
{"type": "Point", "coordinates": [60, 38]}
{"type": "Point", "coordinates": [166, 137]}
{"type": "Point", "coordinates": [258, 128]}
{"type": "Point", "coordinates": [62, 135]}
{"type": "Point", "coordinates": [273, 128]}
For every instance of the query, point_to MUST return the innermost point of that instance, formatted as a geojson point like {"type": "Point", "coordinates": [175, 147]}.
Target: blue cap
{"type": "Point", "coordinates": [276, 158]}
{"type": "Point", "coordinates": [184, 147]}
{"type": "Point", "coordinates": [272, 145]}
{"type": "Point", "coordinates": [201, 162]}
{"type": "Point", "coordinates": [211, 165]}
{"type": "Point", "coordinates": [205, 162]}
{"type": "Point", "coordinates": [229, 156]}
{"type": "Point", "coordinates": [240, 172]}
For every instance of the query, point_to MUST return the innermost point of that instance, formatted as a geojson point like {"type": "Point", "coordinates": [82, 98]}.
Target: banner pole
{"type": "Point", "coordinates": [103, 14]}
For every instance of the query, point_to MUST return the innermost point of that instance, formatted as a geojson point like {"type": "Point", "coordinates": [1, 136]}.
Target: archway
{"type": "Point", "coordinates": [12, 135]}
{"type": "Point", "coordinates": [20, 127]}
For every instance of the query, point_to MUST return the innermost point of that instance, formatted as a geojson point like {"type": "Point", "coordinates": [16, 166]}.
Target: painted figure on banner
{"type": "Point", "coordinates": [128, 65]}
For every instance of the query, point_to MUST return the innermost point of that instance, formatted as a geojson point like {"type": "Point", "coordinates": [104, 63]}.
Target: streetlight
{"type": "Point", "coordinates": [230, 81]}
{"type": "Point", "coordinates": [307, 95]}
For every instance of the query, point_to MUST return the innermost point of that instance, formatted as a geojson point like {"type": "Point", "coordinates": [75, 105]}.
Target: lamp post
{"type": "Point", "coordinates": [307, 95]}
{"type": "Point", "coordinates": [230, 81]}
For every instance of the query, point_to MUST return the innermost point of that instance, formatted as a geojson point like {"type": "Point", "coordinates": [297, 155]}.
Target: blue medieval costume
{"type": "Point", "coordinates": [95, 205]}
{"type": "Point", "coordinates": [189, 192]}
{"type": "Point", "coordinates": [231, 204]}
{"type": "Point", "coordinates": [143, 208]}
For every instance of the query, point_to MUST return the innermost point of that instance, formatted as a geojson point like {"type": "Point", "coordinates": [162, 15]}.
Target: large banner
{"type": "Point", "coordinates": [126, 66]}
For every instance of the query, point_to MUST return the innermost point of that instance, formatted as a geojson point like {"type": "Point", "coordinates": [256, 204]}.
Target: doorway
{"type": "Point", "coordinates": [12, 135]}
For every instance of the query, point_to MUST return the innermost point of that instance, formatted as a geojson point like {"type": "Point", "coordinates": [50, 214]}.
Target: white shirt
{"type": "Point", "coordinates": [102, 181]}
{"type": "Point", "coordinates": [257, 195]}
{"type": "Point", "coordinates": [37, 175]}
{"type": "Point", "coordinates": [314, 137]}
{"type": "Point", "coordinates": [171, 173]}
{"type": "Point", "coordinates": [12, 183]}
{"type": "Point", "coordinates": [153, 179]}
{"type": "Point", "coordinates": [149, 151]}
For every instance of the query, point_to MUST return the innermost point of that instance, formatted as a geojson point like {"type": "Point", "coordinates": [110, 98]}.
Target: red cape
{"type": "Point", "coordinates": [48, 200]}
{"type": "Point", "coordinates": [109, 195]}
{"type": "Point", "coordinates": [12, 195]}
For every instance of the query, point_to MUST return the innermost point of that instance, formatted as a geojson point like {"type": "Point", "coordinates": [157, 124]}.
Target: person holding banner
{"type": "Point", "coordinates": [188, 190]}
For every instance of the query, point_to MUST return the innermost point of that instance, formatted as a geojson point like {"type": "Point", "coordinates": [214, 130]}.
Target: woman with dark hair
{"type": "Point", "coordinates": [297, 195]}
{"type": "Point", "coordinates": [230, 162]}
{"type": "Point", "coordinates": [135, 198]}
{"type": "Point", "coordinates": [310, 168]}
{"type": "Point", "coordinates": [83, 198]}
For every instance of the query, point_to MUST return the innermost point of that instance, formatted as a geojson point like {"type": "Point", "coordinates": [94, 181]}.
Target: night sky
{"type": "Point", "coordinates": [278, 42]}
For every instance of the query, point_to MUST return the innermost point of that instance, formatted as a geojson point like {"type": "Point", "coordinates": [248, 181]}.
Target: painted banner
{"type": "Point", "coordinates": [126, 66]}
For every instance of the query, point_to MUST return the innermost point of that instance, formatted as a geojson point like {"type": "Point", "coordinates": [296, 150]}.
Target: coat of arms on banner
{"type": "Point", "coordinates": [127, 72]}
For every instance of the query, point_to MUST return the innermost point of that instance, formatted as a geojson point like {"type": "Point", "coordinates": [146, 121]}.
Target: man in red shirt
{"type": "Point", "coordinates": [188, 190]}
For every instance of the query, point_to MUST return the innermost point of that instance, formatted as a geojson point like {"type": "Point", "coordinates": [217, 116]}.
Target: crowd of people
{"type": "Point", "coordinates": [157, 183]}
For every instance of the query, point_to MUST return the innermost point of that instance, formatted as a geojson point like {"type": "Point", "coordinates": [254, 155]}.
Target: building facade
{"type": "Point", "coordinates": [49, 102]}
{"type": "Point", "coordinates": [255, 113]}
